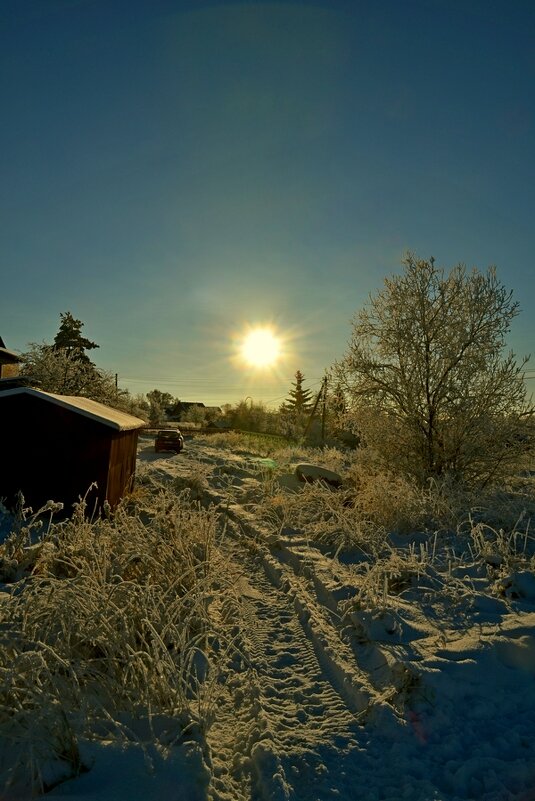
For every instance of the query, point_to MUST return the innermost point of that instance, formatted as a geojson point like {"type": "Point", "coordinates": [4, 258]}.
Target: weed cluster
{"type": "Point", "coordinates": [107, 620]}
{"type": "Point", "coordinates": [374, 503]}
{"type": "Point", "coordinates": [262, 444]}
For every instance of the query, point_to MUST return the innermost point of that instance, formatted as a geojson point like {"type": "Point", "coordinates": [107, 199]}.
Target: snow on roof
{"type": "Point", "coordinates": [113, 418]}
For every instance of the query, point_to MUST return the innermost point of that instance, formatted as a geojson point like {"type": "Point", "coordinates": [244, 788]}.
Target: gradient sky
{"type": "Point", "coordinates": [172, 172]}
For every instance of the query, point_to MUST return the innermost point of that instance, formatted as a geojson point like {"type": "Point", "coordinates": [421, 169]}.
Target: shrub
{"type": "Point", "coordinates": [111, 619]}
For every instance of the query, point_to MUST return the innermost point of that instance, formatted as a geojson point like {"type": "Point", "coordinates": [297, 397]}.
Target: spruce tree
{"type": "Point", "coordinates": [299, 399]}
{"type": "Point", "coordinates": [69, 339]}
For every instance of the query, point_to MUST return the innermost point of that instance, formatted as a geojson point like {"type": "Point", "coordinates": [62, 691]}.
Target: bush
{"type": "Point", "coordinates": [109, 620]}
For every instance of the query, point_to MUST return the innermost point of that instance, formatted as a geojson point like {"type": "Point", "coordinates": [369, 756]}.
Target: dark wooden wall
{"type": "Point", "coordinates": [122, 465]}
{"type": "Point", "coordinates": [52, 453]}
{"type": "Point", "coordinates": [8, 369]}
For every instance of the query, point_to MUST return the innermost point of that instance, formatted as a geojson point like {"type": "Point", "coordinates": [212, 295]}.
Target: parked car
{"type": "Point", "coordinates": [169, 439]}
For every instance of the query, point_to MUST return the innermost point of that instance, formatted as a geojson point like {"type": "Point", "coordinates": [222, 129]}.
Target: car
{"type": "Point", "coordinates": [169, 439]}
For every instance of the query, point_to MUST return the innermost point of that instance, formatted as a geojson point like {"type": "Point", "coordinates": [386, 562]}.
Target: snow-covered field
{"type": "Point", "coordinates": [409, 675]}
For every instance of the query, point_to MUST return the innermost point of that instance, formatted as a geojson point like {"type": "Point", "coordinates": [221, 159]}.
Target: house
{"type": "Point", "coordinates": [9, 362]}
{"type": "Point", "coordinates": [180, 408]}
{"type": "Point", "coordinates": [54, 447]}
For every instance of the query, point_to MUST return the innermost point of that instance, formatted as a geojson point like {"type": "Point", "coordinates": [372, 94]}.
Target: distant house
{"type": "Point", "coordinates": [180, 408]}
{"type": "Point", "coordinates": [9, 362]}
{"type": "Point", "coordinates": [54, 447]}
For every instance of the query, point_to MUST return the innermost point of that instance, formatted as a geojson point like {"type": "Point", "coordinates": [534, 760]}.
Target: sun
{"type": "Point", "coordinates": [260, 348]}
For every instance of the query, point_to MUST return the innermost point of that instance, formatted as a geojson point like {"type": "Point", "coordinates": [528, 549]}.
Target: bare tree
{"type": "Point", "coordinates": [426, 380]}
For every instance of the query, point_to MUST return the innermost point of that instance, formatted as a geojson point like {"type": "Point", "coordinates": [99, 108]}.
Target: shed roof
{"type": "Point", "coordinates": [113, 418]}
{"type": "Point", "coordinates": [11, 382]}
{"type": "Point", "coordinates": [9, 355]}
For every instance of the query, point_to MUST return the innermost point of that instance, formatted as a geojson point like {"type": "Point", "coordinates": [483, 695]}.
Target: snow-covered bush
{"type": "Point", "coordinates": [325, 516]}
{"type": "Point", "coordinates": [110, 621]}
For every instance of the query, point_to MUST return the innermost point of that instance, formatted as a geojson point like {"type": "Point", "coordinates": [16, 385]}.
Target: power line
{"type": "Point", "coordinates": [196, 380]}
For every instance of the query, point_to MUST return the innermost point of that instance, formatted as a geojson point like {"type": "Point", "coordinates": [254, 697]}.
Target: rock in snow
{"type": "Point", "coordinates": [313, 472]}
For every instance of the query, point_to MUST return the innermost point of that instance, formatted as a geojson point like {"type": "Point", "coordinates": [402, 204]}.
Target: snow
{"type": "Point", "coordinates": [412, 678]}
{"type": "Point", "coordinates": [136, 772]}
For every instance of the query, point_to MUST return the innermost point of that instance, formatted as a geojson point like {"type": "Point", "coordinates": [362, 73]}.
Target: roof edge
{"type": "Point", "coordinates": [131, 423]}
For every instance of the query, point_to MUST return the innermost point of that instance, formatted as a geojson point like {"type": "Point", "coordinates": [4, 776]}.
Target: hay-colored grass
{"type": "Point", "coordinates": [109, 619]}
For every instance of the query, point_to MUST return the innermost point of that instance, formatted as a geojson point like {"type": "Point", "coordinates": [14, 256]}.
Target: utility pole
{"type": "Point", "coordinates": [323, 410]}
{"type": "Point", "coordinates": [322, 392]}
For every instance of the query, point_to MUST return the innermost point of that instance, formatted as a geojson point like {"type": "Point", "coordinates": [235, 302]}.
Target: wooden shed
{"type": "Point", "coordinates": [54, 447]}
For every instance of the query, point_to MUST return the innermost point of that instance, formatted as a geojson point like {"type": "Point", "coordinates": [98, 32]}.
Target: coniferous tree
{"type": "Point", "coordinates": [299, 399]}
{"type": "Point", "coordinates": [69, 339]}
{"type": "Point", "coordinates": [64, 369]}
{"type": "Point", "coordinates": [293, 412]}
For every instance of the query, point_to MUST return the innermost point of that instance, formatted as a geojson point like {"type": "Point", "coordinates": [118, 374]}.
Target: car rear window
{"type": "Point", "coordinates": [168, 435]}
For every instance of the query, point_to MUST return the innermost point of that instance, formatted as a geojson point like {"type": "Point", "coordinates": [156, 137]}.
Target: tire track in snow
{"type": "Point", "coordinates": [282, 712]}
{"type": "Point", "coordinates": [291, 708]}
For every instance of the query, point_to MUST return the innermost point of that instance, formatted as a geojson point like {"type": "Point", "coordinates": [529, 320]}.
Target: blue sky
{"type": "Point", "coordinates": [173, 172]}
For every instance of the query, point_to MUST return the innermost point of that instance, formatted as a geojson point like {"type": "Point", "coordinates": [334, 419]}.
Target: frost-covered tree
{"type": "Point", "coordinates": [249, 415]}
{"type": "Point", "coordinates": [69, 339]}
{"type": "Point", "coordinates": [194, 414]}
{"type": "Point", "coordinates": [133, 404]}
{"type": "Point", "coordinates": [164, 399]}
{"type": "Point", "coordinates": [159, 403]}
{"type": "Point", "coordinates": [336, 404]}
{"type": "Point", "coordinates": [156, 413]}
{"type": "Point", "coordinates": [426, 379]}
{"type": "Point", "coordinates": [61, 372]}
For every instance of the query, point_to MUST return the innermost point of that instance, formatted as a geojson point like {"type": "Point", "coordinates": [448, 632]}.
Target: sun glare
{"type": "Point", "coordinates": [261, 348]}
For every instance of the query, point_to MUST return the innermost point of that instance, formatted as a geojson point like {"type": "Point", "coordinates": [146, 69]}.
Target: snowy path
{"type": "Point", "coordinates": [431, 699]}
{"type": "Point", "coordinates": [282, 712]}
{"type": "Point", "coordinates": [292, 702]}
